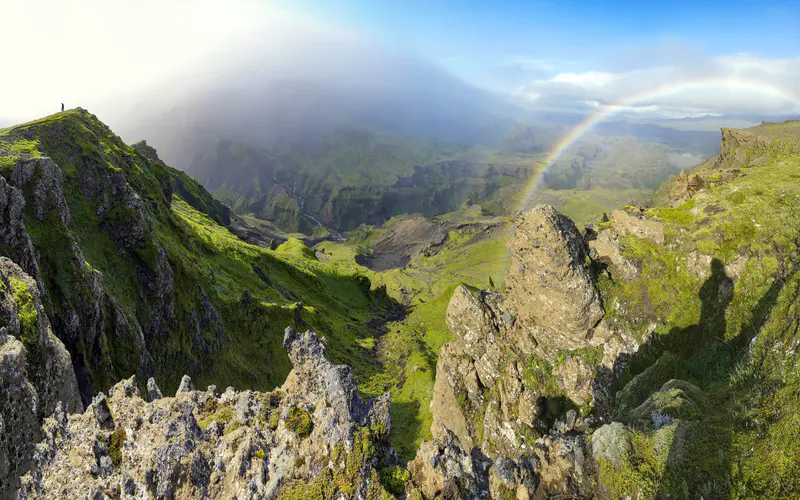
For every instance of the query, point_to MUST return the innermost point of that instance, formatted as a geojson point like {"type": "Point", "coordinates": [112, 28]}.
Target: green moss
{"type": "Point", "coordinates": [26, 312]}
{"type": "Point", "coordinates": [115, 442]}
{"type": "Point", "coordinates": [299, 421]}
{"type": "Point", "coordinates": [394, 479]}
{"type": "Point", "coordinates": [222, 416]}
{"type": "Point", "coordinates": [538, 375]}
{"type": "Point", "coordinates": [232, 427]}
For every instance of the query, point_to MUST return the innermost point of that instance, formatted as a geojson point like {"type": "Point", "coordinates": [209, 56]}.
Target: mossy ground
{"type": "Point", "coordinates": [742, 441]}
{"type": "Point", "coordinates": [26, 313]}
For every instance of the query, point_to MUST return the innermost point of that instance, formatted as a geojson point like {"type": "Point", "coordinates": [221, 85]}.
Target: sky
{"type": "Point", "coordinates": [722, 56]}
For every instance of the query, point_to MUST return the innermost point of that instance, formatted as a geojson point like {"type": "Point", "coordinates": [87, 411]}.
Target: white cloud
{"type": "Point", "coordinates": [85, 52]}
{"type": "Point", "coordinates": [739, 83]}
{"type": "Point", "coordinates": [588, 79]}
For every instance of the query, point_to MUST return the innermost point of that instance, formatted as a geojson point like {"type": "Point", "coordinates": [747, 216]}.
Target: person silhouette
{"type": "Point", "coordinates": [62, 106]}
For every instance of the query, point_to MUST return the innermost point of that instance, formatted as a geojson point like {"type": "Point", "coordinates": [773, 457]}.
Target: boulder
{"type": "Point", "coordinates": [550, 286]}
{"type": "Point", "coordinates": [612, 442]}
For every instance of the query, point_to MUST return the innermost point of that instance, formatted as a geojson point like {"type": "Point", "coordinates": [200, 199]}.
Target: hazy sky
{"type": "Point", "coordinates": [99, 53]}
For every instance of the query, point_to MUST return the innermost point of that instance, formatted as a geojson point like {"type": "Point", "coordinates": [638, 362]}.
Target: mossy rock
{"type": "Point", "coordinates": [26, 312]}
{"type": "Point", "coordinates": [222, 416]}
{"type": "Point", "coordinates": [676, 400]}
{"type": "Point", "coordinates": [299, 421]}
{"type": "Point", "coordinates": [115, 442]}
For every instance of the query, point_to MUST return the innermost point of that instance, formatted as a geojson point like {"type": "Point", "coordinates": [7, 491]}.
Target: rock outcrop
{"type": "Point", "coordinates": [313, 435]}
{"type": "Point", "coordinates": [493, 382]}
{"type": "Point", "coordinates": [36, 376]}
{"type": "Point", "coordinates": [606, 243]}
{"type": "Point", "coordinates": [556, 466]}
{"type": "Point", "coordinates": [550, 284]}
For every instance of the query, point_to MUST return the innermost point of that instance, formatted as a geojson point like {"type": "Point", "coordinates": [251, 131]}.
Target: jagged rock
{"type": "Point", "coordinates": [239, 445]}
{"type": "Point", "coordinates": [186, 385]}
{"type": "Point", "coordinates": [153, 392]}
{"type": "Point", "coordinates": [556, 467]}
{"type": "Point", "coordinates": [575, 377]}
{"type": "Point", "coordinates": [507, 479]}
{"type": "Point", "coordinates": [479, 393]}
{"type": "Point", "coordinates": [550, 286]}
{"type": "Point", "coordinates": [340, 408]}
{"type": "Point", "coordinates": [563, 468]}
{"type": "Point", "coordinates": [476, 319]}
{"type": "Point", "coordinates": [607, 249]}
{"type": "Point", "coordinates": [684, 187]}
{"type": "Point", "coordinates": [102, 412]}
{"type": "Point", "coordinates": [455, 376]}
{"type": "Point", "coordinates": [87, 316]}
{"type": "Point", "coordinates": [443, 468]}
{"type": "Point", "coordinates": [30, 385]}
{"type": "Point", "coordinates": [50, 371]}
{"type": "Point", "coordinates": [19, 424]}
{"type": "Point", "coordinates": [13, 234]}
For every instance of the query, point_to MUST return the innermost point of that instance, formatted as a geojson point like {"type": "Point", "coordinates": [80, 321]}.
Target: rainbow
{"type": "Point", "coordinates": [673, 88]}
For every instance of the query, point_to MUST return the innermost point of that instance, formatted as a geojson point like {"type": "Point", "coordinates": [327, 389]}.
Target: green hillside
{"type": "Point", "coordinates": [719, 296]}
{"type": "Point", "coordinates": [138, 278]}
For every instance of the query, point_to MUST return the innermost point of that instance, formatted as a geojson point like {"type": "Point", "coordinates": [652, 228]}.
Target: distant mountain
{"type": "Point", "coordinates": [355, 142]}
{"type": "Point", "coordinates": [701, 142]}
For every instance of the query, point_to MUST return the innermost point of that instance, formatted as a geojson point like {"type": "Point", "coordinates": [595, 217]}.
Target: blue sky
{"type": "Point", "coordinates": [484, 41]}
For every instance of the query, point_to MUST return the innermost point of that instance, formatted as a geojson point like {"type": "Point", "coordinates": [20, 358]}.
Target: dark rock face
{"type": "Point", "coordinates": [36, 376]}
{"type": "Point", "coordinates": [13, 235]}
{"type": "Point", "coordinates": [550, 285]}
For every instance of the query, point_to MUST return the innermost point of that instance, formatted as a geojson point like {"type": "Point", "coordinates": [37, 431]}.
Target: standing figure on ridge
{"type": "Point", "coordinates": [62, 106]}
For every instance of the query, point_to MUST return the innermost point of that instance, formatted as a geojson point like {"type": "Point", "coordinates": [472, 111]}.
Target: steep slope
{"type": "Point", "coordinates": [136, 277]}
{"type": "Point", "coordinates": [36, 377]}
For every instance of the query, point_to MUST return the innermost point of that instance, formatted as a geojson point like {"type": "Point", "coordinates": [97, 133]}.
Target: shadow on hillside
{"type": "Point", "coordinates": [709, 361]}
{"type": "Point", "coordinates": [406, 426]}
{"type": "Point", "coordinates": [698, 461]}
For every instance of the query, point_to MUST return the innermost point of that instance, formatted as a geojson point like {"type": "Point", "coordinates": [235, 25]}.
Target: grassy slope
{"type": "Point", "coordinates": [289, 287]}
{"type": "Point", "coordinates": [744, 444]}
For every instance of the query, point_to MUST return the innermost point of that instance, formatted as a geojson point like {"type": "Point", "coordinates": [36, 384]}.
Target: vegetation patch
{"type": "Point", "coordinates": [299, 421]}
{"type": "Point", "coordinates": [26, 312]}
{"type": "Point", "coordinates": [115, 442]}
{"type": "Point", "coordinates": [222, 416]}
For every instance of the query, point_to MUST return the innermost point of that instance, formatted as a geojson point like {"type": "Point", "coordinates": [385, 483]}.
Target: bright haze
{"type": "Point", "coordinates": [403, 64]}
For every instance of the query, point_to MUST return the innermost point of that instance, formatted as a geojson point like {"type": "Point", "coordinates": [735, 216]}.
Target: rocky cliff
{"type": "Point", "coordinates": [36, 374]}
{"type": "Point", "coordinates": [312, 438]}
